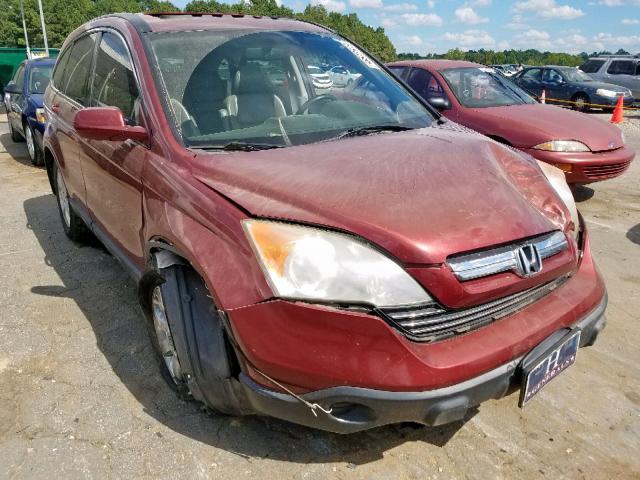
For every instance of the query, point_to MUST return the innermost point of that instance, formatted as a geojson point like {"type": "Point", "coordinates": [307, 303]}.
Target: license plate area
{"type": "Point", "coordinates": [544, 367]}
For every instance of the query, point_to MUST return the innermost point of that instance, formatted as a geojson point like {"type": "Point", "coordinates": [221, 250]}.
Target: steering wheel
{"type": "Point", "coordinates": [325, 97]}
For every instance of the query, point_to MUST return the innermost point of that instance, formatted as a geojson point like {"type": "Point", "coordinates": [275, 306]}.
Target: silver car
{"type": "Point", "coordinates": [621, 70]}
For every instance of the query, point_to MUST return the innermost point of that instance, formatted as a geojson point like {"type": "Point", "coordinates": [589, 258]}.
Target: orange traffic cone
{"type": "Point", "coordinates": [543, 97]}
{"type": "Point", "coordinates": [618, 116]}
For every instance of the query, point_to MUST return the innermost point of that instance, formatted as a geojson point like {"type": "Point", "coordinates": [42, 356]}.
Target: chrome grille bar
{"type": "Point", "coordinates": [504, 259]}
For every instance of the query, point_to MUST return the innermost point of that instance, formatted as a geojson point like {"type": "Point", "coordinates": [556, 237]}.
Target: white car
{"type": "Point", "coordinates": [319, 78]}
{"type": "Point", "coordinates": [341, 76]}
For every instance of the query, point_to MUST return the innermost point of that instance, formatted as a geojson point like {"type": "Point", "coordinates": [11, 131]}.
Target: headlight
{"type": "Point", "coordinates": [559, 183]}
{"type": "Point", "coordinates": [40, 117]}
{"type": "Point", "coordinates": [563, 146]}
{"type": "Point", "coordinates": [623, 137]}
{"type": "Point", "coordinates": [603, 92]}
{"type": "Point", "coordinates": [313, 264]}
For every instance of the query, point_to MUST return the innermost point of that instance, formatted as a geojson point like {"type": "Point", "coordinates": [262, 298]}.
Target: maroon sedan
{"type": "Point", "coordinates": [586, 148]}
{"type": "Point", "coordinates": [340, 259]}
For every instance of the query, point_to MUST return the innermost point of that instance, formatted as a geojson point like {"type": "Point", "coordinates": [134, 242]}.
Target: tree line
{"type": "Point", "coordinates": [63, 16]}
{"type": "Point", "coordinates": [522, 57]}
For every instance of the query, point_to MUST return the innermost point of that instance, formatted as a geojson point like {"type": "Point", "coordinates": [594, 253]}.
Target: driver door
{"type": "Point", "coordinates": [113, 169]}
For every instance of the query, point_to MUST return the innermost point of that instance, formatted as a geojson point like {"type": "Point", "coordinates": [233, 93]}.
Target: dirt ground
{"type": "Point", "coordinates": [80, 396]}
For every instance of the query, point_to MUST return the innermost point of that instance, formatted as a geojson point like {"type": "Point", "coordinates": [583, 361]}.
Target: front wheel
{"type": "Point", "coordinates": [34, 152]}
{"type": "Point", "coordinates": [187, 332]}
{"type": "Point", "coordinates": [580, 103]}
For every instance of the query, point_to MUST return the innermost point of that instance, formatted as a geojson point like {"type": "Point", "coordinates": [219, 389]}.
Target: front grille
{"type": "Point", "coordinates": [597, 171]}
{"type": "Point", "coordinates": [432, 322]}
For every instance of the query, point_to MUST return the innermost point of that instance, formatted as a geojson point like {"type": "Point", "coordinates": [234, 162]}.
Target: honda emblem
{"type": "Point", "coordinates": [529, 261]}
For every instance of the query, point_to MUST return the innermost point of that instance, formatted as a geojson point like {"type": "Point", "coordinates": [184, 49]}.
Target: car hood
{"type": "Point", "coordinates": [421, 195]}
{"type": "Point", "coordinates": [528, 125]}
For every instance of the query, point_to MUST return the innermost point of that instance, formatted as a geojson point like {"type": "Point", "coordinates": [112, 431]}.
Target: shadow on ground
{"type": "Point", "coordinates": [633, 234]}
{"type": "Point", "coordinates": [582, 193]}
{"type": "Point", "coordinates": [107, 298]}
{"type": "Point", "coordinates": [18, 150]}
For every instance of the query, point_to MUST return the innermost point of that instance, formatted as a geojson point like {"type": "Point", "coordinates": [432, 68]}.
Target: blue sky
{"type": "Point", "coordinates": [437, 25]}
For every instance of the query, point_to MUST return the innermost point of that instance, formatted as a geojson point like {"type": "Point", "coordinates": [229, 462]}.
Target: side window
{"type": "Point", "coordinates": [58, 73]}
{"type": "Point", "coordinates": [425, 84]}
{"type": "Point", "coordinates": [638, 69]}
{"type": "Point", "coordinates": [621, 67]}
{"type": "Point", "coordinates": [531, 75]}
{"type": "Point", "coordinates": [114, 82]}
{"type": "Point", "coordinates": [551, 76]}
{"type": "Point", "coordinates": [19, 76]}
{"type": "Point", "coordinates": [77, 69]}
{"type": "Point", "coordinates": [592, 66]}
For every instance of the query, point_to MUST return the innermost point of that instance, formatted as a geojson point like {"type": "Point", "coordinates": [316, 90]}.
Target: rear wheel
{"type": "Point", "coordinates": [580, 102]}
{"type": "Point", "coordinates": [74, 227]}
{"type": "Point", "coordinates": [34, 152]}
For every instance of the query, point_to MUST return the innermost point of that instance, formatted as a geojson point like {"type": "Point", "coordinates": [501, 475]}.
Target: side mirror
{"type": "Point", "coordinates": [11, 87]}
{"type": "Point", "coordinates": [106, 123]}
{"type": "Point", "coordinates": [439, 103]}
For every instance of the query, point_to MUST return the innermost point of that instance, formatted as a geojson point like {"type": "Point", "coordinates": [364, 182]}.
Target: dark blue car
{"type": "Point", "coordinates": [23, 97]}
{"type": "Point", "coordinates": [572, 87]}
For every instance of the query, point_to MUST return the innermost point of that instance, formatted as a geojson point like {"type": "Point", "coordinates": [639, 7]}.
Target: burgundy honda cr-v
{"type": "Point", "coordinates": [341, 258]}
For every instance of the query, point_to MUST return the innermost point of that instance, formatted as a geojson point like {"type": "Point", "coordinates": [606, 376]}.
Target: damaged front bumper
{"type": "Point", "coordinates": [352, 409]}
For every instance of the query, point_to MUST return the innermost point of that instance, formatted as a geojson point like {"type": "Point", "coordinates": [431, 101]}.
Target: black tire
{"type": "Point", "coordinates": [190, 341]}
{"type": "Point", "coordinates": [580, 102]}
{"type": "Point", "coordinates": [15, 136]}
{"type": "Point", "coordinates": [35, 154]}
{"type": "Point", "coordinates": [74, 227]}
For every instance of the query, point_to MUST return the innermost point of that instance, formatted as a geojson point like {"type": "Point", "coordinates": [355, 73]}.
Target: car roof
{"type": "Point", "coordinates": [190, 21]}
{"type": "Point", "coordinates": [435, 64]}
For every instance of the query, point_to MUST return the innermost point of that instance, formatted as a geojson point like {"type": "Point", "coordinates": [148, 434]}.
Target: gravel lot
{"type": "Point", "coordinates": [81, 397]}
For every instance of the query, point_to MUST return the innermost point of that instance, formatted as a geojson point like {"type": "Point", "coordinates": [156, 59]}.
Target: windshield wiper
{"type": "Point", "coordinates": [239, 147]}
{"type": "Point", "coordinates": [370, 129]}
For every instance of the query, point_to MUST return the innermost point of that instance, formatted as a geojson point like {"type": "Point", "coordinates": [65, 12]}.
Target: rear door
{"type": "Point", "coordinates": [112, 169]}
{"type": "Point", "coordinates": [530, 80]}
{"type": "Point", "coordinates": [70, 94]}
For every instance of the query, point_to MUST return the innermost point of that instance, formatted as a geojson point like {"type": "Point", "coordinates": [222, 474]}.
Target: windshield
{"type": "Point", "coordinates": [39, 77]}
{"type": "Point", "coordinates": [575, 75]}
{"type": "Point", "coordinates": [483, 87]}
{"type": "Point", "coordinates": [229, 87]}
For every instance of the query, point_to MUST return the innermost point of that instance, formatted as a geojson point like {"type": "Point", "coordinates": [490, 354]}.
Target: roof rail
{"type": "Point", "coordinates": [209, 14]}
{"type": "Point", "coordinates": [637, 55]}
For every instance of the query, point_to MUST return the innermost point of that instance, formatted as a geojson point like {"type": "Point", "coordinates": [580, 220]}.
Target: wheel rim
{"type": "Point", "coordinates": [163, 334]}
{"type": "Point", "coordinates": [63, 199]}
{"type": "Point", "coordinates": [31, 147]}
{"type": "Point", "coordinates": [580, 103]}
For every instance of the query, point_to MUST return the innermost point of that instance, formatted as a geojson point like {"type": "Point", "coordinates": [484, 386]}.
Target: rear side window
{"type": "Point", "coordinates": [114, 82]}
{"type": "Point", "coordinates": [592, 66]}
{"type": "Point", "coordinates": [532, 74]}
{"type": "Point", "coordinates": [77, 69]}
{"type": "Point", "coordinates": [19, 76]}
{"type": "Point", "coordinates": [621, 67]}
{"type": "Point", "coordinates": [638, 68]}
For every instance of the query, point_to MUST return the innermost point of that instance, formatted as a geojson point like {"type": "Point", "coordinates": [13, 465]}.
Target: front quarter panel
{"type": "Point", "coordinates": [206, 229]}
